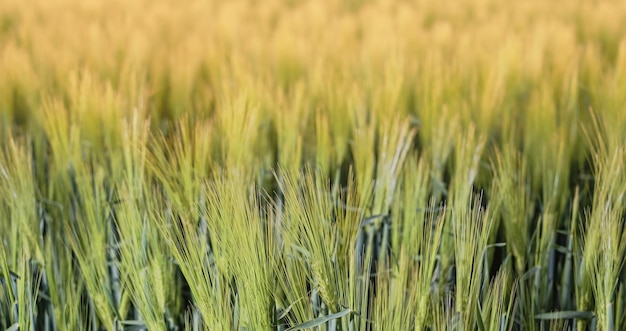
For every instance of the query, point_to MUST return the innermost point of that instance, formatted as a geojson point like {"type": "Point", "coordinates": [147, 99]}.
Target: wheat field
{"type": "Point", "coordinates": [328, 165]}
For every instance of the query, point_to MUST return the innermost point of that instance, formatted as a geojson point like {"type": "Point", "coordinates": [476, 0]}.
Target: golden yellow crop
{"type": "Point", "coordinates": [300, 164]}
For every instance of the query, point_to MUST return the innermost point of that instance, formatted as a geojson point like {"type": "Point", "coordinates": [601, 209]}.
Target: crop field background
{"type": "Point", "coordinates": [324, 165]}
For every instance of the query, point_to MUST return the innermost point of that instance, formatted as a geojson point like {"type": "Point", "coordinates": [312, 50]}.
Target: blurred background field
{"type": "Point", "coordinates": [325, 165]}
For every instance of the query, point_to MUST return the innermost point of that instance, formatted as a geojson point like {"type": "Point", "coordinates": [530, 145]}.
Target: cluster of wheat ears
{"type": "Point", "coordinates": [348, 165]}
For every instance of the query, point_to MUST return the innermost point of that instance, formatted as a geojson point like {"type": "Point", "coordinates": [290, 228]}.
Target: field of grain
{"type": "Point", "coordinates": [332, 165]}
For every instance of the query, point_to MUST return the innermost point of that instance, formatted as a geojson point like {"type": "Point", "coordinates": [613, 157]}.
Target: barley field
{"type": "Point", "coordinates": [332, 165]}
